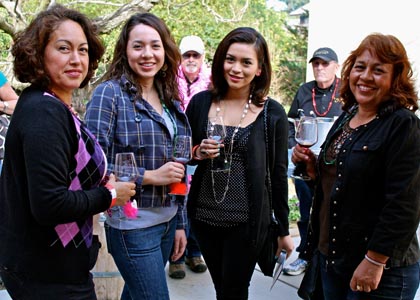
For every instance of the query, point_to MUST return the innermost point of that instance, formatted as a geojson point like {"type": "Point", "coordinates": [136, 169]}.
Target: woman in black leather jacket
{"type": "Point", "coordinates": [362, 239]}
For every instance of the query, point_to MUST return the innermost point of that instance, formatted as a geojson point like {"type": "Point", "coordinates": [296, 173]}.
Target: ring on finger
{"type": "Point", "coordinates": [358, 287]}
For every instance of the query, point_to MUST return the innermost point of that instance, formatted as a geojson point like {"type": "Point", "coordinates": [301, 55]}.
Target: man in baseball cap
{"type": "Point", "coordinates": [191, 43]}
{"type": "Point", "coordinates": [193, 77]}
{"type": "Point", "coordinates": [318, 98]}
{"type": "Point", "coordinates": [326, 54]}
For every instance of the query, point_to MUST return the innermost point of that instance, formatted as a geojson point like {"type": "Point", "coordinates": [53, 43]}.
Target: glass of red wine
{"type": "Point", "coordinates": [182, 153]}
{"type": "Point", "coordinates": [306, 135]}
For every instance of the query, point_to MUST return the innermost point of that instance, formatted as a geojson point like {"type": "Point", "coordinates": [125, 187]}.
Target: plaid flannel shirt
{"type": "Point", "coordinates": [123, 124]}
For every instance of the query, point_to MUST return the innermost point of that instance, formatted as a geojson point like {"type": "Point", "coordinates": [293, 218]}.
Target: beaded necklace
{"type": "Point", "coordinates": [69, 107]}
{"type": "Point", "coordinates": [329, 104]}
{"type": "Point", "coordinates": [339, 141]}
{"type": "Point", "coordinates": [229, 153]}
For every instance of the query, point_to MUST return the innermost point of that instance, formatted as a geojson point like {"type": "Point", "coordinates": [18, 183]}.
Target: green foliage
{"type": "Point", "coordinates": [215, 19]}
{"type": "Point", "coordinates": [294, 214]}
{"type": "Point", "coordinates": [211, 20]}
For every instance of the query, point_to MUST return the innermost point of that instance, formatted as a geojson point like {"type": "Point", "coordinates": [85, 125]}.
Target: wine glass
{"type": "Point", "coordinates": [306, 135]}
{"type": "Point", "coordinates": [182, 153]}
{"type": "Point", "coordinates": [125, 169]}
{"type": "Point", "coordinates": [216, 130]}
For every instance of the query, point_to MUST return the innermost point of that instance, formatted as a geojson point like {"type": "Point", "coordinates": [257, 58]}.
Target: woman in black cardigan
{"type": "Point", "coordinates": [230, 207]}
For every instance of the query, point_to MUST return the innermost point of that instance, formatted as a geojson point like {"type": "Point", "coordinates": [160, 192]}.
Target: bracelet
{"type": "Point", "coordinates": [113, 192]}
{"type": "Point", "coordinates": [194, 150]}
{"type": "Point", "coordinates": [6, 106]}
{"type": "Point", "coordinates": [376, 263]}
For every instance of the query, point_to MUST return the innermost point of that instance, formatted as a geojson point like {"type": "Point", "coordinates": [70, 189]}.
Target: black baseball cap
{"type": "Point", "coordinates": [326, 54]}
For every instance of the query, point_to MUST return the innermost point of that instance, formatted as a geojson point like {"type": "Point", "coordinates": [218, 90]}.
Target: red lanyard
{"type": "Point", "coordinates": [329, 104]}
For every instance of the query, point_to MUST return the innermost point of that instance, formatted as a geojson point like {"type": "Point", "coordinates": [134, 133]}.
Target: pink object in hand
{"type": "Point", "coordinates": [130, 211]}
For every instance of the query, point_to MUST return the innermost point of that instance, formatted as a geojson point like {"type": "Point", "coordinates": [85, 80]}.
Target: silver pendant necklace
{"type": "Point", "coordinates": [229, 153]}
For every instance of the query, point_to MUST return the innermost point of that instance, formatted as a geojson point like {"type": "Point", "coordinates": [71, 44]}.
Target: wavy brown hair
{"type": "Point", "coordinates": [166, 80]}
{"type": "Point", "coordinates": [29, 46]}
{"type": "Point", "coordinates": [260, 85]}
{"type": "Point", "coordinates": [389, 50]}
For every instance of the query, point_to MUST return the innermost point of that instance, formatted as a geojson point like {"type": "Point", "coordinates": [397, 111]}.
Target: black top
{"type": "Point", "coordinates": [197, 113]}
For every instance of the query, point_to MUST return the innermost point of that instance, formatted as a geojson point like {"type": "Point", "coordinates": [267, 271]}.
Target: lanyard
{"type": "Point", "coordinates": [173, 121]}
{"type": "Point", "coordinates": [329, 104]}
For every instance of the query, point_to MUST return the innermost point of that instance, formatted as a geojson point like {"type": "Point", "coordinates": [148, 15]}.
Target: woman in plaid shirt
{"type": "Point", "coordinates": [137, 109]}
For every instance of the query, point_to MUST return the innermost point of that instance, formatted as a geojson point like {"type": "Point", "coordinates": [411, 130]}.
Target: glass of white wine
{"type": "Point", "coordinates": [306, 135]}
{"type": "Point", "coordinates": [125, 168]}
{"type": "Point", "coordinates": [216, 130]}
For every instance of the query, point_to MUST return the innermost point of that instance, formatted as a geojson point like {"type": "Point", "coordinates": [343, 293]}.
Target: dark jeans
{"type": "Point", "coordinates": [21, 288]}
{"type": "Point", "coordinates": [229, 256]}
{"type": "Point", "coordinates": [396, 283]}
{"type": "Point", "coordinates": [304, 194]}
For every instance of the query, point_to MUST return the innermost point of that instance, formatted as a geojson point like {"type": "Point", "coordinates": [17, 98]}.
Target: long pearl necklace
{"type": "Point", "coordinates": [229, 153]}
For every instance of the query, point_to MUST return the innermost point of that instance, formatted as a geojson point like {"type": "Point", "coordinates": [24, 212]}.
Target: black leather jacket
{"type": "Point", "coordinates": [375, 198]}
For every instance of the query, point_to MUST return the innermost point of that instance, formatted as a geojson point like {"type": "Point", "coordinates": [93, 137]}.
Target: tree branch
{"type": "Point", "coordinates": [108, 22]}
{"type": "Point", "coordinates": [219, 18]}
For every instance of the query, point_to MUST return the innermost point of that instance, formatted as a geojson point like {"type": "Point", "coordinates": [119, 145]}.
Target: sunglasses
{"type": "Point", "coordinates": [193, 55]}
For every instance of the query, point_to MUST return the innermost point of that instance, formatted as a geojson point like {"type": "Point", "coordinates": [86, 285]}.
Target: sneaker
{"type": "Point", "coordinates": [296, 268]}
{"type": "Point", "coordinates": [196, 264]}
{"type": "Point", "coordinates": [177, 271]}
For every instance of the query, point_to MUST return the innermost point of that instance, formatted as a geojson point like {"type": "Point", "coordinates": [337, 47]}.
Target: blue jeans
{"type": "Point", "coordinates": [141, 256]}
{"type": "Point", "coordinates": [396, 283]}
{"type": "Point", "coordinates": [20, 287]}
{"type": "Point", "coordinates": [304, 194]}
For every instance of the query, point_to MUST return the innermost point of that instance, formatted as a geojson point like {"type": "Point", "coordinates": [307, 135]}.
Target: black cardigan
{"type": "Point", "coordinates": [41, 146]}
{"type": "Point", "coordinates": [259, 220]}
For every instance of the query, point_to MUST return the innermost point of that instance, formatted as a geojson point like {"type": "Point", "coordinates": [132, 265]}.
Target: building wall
{"type": "Point", "coordinates": [342, 24]}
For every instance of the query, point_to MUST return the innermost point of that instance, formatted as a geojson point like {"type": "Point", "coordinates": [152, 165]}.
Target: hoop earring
{"type": "Point", "coordinates": [163, 70]}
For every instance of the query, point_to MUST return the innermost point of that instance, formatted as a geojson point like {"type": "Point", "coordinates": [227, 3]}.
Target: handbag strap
{"type": "Point", "coordinates": [268, 173]}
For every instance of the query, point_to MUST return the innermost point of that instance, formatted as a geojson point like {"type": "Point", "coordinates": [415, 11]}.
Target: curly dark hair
{"type": "Point", "coordinates": [260, 85]}
{"type": "Point", "coordinates": [166, 80]}
{"type": "Point", "coordinates": [389, 50]}
{"type": "Point", "coordinates": [29, 45]}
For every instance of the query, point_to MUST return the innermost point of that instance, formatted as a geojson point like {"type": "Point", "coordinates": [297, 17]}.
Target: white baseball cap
{"type": "Point", "coordinates": [191, 43]}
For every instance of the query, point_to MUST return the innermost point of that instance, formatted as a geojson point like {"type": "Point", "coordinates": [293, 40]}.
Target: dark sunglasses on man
{"type": "Point", "coordinates": [194, 55]}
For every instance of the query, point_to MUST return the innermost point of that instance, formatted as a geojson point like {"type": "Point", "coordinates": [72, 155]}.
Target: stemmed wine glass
{"type": "Point", "coordinates": [125, 169]}
{"type": "Point", "coordinates": [216, 130]}
{"type": "Point", "coordinates": [182, 153]}
{"type": "Point", "coordinates": [306, 136]}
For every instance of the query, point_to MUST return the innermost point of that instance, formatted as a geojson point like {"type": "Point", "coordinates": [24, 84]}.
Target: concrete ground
{"type": "Point", "coordinates": [199, 286]}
